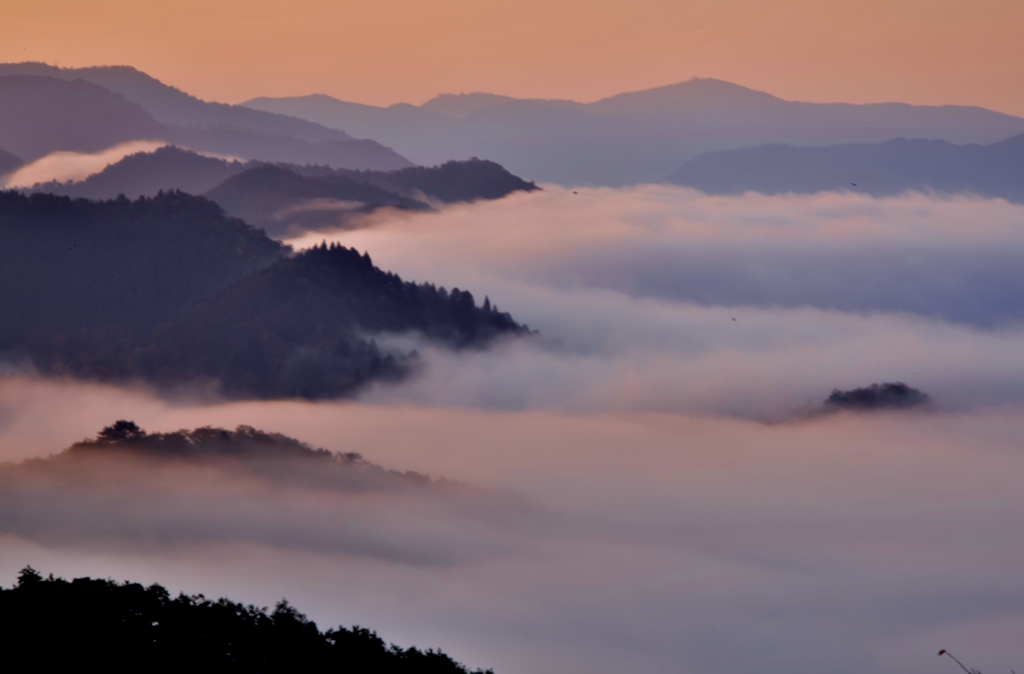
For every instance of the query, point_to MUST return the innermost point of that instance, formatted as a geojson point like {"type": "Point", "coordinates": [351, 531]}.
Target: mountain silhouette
{"type": "Point", "coordinates": [286, 199]}
{"type": "Point", "coordinates": [282, 201]}
{"type": "Point", "coordinates": [171, 291]}
{"type": "Point", "coordinates": [40, 115]}
{"type": "Point", "coordinates": [633, 137]}
{"type": "Point", "coordinates": [9, 163]}
{"type": "Point", "coordinates": [147, 173]}
{"type": "Point", "coordinates": [213, 127]}
{"type": "Point", "coordinates": [125, 627]}
{"type": "Point", "coordinates": [881, 169]}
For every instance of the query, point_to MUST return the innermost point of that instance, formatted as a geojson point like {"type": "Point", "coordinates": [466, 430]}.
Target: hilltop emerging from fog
{"type": "Point", "coordinates": [171, 291]}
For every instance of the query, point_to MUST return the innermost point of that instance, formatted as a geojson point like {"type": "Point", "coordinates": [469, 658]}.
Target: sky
{"type": "Point", "coordinates": [388, 51]}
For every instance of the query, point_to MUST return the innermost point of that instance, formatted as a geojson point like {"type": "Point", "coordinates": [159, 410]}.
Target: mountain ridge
{"type": "Point", "coordinates": [881, 169]}
{"type": "Point", "coordinates": [633, 137]}
{"type": "Point", "coordinates": [175, 116]}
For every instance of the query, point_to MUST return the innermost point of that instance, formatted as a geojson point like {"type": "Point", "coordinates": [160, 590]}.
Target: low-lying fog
{"type": "Point", "coordinates": [622, 505]}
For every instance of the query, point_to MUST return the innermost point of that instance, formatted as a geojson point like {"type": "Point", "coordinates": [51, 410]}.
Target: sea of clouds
{"type": "Point", "coordinates": [639, 487]}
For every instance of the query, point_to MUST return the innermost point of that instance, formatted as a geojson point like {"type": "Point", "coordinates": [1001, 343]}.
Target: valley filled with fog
{"type": "Point", "coordinates": [649, 481]}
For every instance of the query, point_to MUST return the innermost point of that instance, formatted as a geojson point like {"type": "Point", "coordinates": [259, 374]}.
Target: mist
{"type": "Point", "coordinates": [659, 542]}
{"type": "Point", "coordinates": [75, 166]}
{"type": "Point", "coordinates": [640, 486]}
{"type": "Point", "coordinates": [665, 299]}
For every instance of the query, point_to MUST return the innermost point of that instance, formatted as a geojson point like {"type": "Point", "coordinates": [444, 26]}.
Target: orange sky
{"type": "Point", "coordinates": [385, 51]}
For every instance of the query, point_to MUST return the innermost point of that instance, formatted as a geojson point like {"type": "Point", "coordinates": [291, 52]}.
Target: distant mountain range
{"type": "Point", "coordinates": [879, 169]}
{"type": "Point", "coordinates": [39, 115]}
{"type": "Point", "coordinates": [634, 137]}
{"type": "Point", "coordinates": [630, 138]}
{"type": "Point", "coordinates": [285, 199]}
{"type": "Point", "coordinates": [45, 109]}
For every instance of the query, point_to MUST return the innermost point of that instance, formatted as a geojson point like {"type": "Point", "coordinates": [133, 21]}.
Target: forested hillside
{"type": "Point", "coordinates": [170, 290]}
{"type": "Point", "coordinates": [86, 623]}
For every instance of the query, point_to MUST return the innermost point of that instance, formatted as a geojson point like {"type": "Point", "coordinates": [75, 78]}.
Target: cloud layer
{"type": "Point", "coordinates": [74, 166]}
{"type": "Point", "coordinates": [661, 298]}
{"type": "Point", "coordinates": [655, 542]}
{"type": "Point", "coordinates": [622, 506]}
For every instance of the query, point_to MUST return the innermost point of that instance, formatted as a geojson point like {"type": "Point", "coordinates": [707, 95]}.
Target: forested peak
{"type": "Point", "coordinates": [207, 441]}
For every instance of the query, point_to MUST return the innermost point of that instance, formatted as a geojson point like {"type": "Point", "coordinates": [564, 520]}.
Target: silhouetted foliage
{"type": "Point", "coordinates": [52, 624]}
{"type": "Point", "coordinates": [245, 441]}
{"type": "Point", "coordinates": [170, 290]}
{"type": "Point", "coordinates": [878, 397]}
{"type": "Point", "coordinates": [297, 328]}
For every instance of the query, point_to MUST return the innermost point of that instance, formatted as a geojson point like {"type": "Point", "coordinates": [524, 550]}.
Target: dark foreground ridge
{"type": "Point", "coordinates": [59, 625]}
{"type": "Point", "coordinates": [885, 396]}
{"type": "Point", "coordinates": [170, 291]}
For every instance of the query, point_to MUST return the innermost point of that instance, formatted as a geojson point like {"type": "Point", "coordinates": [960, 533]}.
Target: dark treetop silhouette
{"type": "Point", "coordinates": [170, 290]}
{"type": "Point", "coordinates": [51, 624]}
{"type": "Point", "coordinates": [878, 397]}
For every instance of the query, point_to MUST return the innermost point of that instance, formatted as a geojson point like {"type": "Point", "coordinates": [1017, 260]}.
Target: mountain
{"type": "Point", "coordinates": [9, 163]}
{"type": "Point", "coordinates": [147, 173]}
{"type": "Point", "coordinates": [251, 145]}
{"type": "Point", "coordinates": [174, 115]}
{"type": "Point", "coordinates": [451, 182]}
{"type": "Point", "coordinates": [174, 107]}
{"type": "Point", "coordinates": [286, 199]}
{"type": "Point", "coordinates": [125, 627]}
{"type": "Point", "coordinates": [171, 291]}
{"type": "Point", "coordinates": [297, 329]}
{"type": "Point", "coordinates": [880, 169]}
{"type": "Point", "coordinates": [40, 115]}
{"type": "Point", "coordinates": [83, 275]}
{"type": "Point", "coordinates": [283, 202]}
{"type": "Point", "coordinates": [633, 137]}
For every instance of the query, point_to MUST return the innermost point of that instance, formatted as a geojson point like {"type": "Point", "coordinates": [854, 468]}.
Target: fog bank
{"type": "Point", "coordinates": [663, 299]}
{"type": "Point", "coordinates": [653, 542]}
{"type": "Point", "coordinates": [74, 166]}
